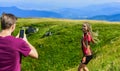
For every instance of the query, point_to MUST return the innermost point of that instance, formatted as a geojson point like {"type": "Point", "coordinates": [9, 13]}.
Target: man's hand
{"type": "Point", "coordinates": [25, 38]}
{"type": "Point", "coordinates": [17, 35]}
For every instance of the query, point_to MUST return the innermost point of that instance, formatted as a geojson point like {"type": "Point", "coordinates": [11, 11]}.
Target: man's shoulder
{"type": "Point", "coordinates": [12, 38]}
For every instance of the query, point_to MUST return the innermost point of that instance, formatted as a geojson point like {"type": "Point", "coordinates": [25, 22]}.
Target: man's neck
{"type": "Point", "coordinates": [5, 33]}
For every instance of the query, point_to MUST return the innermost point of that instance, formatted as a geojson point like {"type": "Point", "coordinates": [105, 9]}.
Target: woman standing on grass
{"type": "Point", "coordinates": [85, 42]}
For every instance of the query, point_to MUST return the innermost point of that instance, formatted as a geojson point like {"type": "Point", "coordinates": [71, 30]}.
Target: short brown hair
{"type": "Point", "coordinates": [7, 20]}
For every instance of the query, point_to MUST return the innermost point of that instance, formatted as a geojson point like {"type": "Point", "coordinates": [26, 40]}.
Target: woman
{"type": "Point", "coordinates": [85, 42]}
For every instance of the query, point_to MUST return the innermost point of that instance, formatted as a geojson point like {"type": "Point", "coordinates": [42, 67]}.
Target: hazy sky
{"type": "Point", "coordinates": [52, 4]}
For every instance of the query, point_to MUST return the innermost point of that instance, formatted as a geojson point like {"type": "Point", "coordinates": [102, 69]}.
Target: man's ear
{"type": "Point", "coordinates": [13, 27]}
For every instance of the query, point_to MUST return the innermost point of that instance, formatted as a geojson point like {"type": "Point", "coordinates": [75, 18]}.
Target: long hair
{"type": "Point", "coordinates": [94, 35]}
{"type": "Point", "coordinates": [89, 28]}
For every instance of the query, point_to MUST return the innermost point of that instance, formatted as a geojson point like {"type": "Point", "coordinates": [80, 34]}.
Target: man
{"type": "Point", "coordinates": [11, 48]}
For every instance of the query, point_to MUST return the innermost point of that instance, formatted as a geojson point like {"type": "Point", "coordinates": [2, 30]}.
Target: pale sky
{"type": "Point", "coordinates": [52, 4]}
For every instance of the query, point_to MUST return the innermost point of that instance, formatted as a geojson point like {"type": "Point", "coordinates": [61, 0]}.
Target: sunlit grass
{"type": "Point", "coordinates": [62, 52]}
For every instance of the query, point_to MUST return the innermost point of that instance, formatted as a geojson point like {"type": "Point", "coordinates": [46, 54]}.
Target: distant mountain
{"type": "Point", "coordinates": [29, 13]}
{"type": "Point", "coordinates": [100, 12]}
{"type": "Point", "coordinates": [90, 11]}
{"type": "Point", "coordinates": [115, 17]}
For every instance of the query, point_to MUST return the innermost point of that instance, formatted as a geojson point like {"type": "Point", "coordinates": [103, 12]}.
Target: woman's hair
{"type": "Point", "coordinates": [93, 34]}
{"type": "Point", "coordinates": [89, 28]}
{"type": "Point", "coordinates": [7, 20]}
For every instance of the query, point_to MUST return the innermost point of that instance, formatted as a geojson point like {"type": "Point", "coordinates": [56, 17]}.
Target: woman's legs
{"type": "Point", "coordinates": [82, 67]}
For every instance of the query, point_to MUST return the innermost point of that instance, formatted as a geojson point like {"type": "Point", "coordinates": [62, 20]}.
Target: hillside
{"type": "Point", "coordinates": [107, 11]}
{"type": "Point", "coordinates": [115, 17]}
{"type": "Point", "coordinates": [29, 13]}
{"type": "Point", "coordinates": [90, 11]}
{"type": "Point", "coordinates": [61, 50]}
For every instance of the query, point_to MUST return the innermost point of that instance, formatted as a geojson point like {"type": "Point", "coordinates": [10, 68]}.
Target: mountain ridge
{"type": "Point", "coordinates": [93, 12]}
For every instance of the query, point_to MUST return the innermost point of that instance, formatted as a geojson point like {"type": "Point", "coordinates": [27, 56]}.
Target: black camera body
{"type": "Point", "coordinates": [22, 32]}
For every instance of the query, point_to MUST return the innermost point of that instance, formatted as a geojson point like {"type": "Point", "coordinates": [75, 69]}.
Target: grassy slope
{"type": "Point", "coordinates": [107, 58]}
{"type": "Point", "coordinates": [62, 51]}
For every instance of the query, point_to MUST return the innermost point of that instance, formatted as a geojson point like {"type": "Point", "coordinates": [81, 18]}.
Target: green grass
{"type": "Point", "coordinates": [62, 52]}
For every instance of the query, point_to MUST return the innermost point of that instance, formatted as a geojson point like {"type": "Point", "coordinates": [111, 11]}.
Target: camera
{"type": "Point", "coordinates": [22, 32]}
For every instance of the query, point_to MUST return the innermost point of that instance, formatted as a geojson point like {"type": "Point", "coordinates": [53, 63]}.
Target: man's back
{"type": "Point", "coordinates": [10, 50]}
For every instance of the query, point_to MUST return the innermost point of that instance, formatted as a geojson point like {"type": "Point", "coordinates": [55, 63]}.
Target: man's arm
{"type": "Point", "coordinates": [33, 53]}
